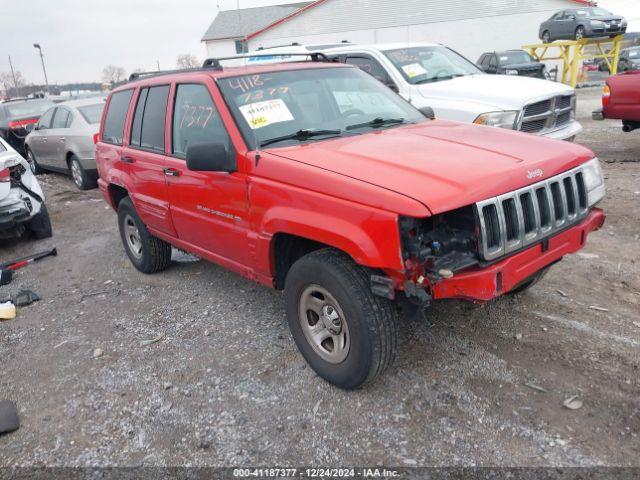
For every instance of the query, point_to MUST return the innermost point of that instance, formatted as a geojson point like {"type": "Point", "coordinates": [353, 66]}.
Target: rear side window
{"type": "Point", "coordinates": [196, 120]}
{"type": "Point", "coordinates": [45, 119]}
{"type": "Point", "coordinates": [147, 130]}
{"type": "Point", "coordinates": [116, 114]}
{"type": "Point", "coordinates": [62, 119]}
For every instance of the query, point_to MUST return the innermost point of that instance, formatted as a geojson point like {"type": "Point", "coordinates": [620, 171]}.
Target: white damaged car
{"type": "Point", "coordinates": [22, 208]}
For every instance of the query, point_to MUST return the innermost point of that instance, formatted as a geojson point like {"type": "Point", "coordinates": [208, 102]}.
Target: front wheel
{"type": "Point", "coordinates": [346, 334]}
{"type": "Point", "coordinates": [147, 253]}
{"type": "Point", "coordinates": [40, 224]}
{"type": "Point", "coordinates": [580, 33]}
{"type": "Point", "coordinates": [546, 37]}
{"type": "Point", "coordinates": [33, 163]}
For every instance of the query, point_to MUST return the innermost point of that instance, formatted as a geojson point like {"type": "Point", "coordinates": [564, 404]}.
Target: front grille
{"type": "Point", "coordinates": [537, 108]}
{"type": "Point", "coordinates": [520, 218]}
{"type": "Point", "coordinates": [547, 115]}
{"type": "Point", "coordinates": [534, 126]}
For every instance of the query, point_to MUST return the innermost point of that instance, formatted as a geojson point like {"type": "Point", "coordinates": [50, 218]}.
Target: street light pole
{"type": "Point", "coordinates": [46, 81]}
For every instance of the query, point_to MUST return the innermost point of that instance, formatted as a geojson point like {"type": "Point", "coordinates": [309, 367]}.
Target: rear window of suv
{"type": "Point", "coordinates": [113, 130]}
{"type": "Point", "coordinates": [147, 131]}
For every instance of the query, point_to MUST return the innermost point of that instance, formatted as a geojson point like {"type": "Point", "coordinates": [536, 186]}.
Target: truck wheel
{"type": "Point", "coordinates": [80, 177]}
{"type": "Point", "coordinates": [147, 253]}
{"type": "Point", "coordinates": [528, 283]}
{"type": "Point", "coordinates": [346, 334]}
{"type": "Point", "coordinates": [40, 224]}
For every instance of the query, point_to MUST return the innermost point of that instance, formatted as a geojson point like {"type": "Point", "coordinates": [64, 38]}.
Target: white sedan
{"type": "Point", "coordinates": [22, 208]}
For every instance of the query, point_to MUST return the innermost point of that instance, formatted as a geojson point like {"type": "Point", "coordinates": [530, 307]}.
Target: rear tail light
{"type": "Point", "coordinates": [606, 95]}
{"type": "Point", "coordinates": [17, 124]}
{"type": "Point", "coordinates": [5, 175]}
{"type": "Point", "coordinates": [96, 138]}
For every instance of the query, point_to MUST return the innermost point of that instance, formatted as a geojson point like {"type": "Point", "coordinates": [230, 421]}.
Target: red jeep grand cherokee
{"type": "Point", "coordinates": [317, 179]}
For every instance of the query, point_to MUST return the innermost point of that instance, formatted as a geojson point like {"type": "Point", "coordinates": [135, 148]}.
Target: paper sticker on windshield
{"type": "Point", "coordinates": [414, 70]}
{"type": "Point", "coordinates": [504, 59]}
{"type": "Point", "coordinates": [262, 114]}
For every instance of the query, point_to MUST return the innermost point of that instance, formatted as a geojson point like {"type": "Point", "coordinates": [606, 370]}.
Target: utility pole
{"type": "Point", "coordinates": [46, 81]}
{"type": "Point", "coordinates": [158, 62]}
{"type": "Point", "coordinates": [15, 82]}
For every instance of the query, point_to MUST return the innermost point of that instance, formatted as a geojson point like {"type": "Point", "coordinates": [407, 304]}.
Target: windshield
{"type": "Point", "coordinates": [29, 108]}
{"type": "Point", "coordinates": [430, 64]}
{"type": "Point", "coordinates": [281, 104]}
{"type": "Point", "coordinates": [512, 58]}
{"type": "Point", "coordinates": [92, 113]}
{"type": "Point", "coordinates": [594, 12]}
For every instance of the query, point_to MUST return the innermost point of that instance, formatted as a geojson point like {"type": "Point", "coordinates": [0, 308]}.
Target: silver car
{"type": "Point", "coordinates": [63, 140]}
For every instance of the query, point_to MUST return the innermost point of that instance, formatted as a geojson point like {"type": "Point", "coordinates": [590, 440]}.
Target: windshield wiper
{"type": "Point", "coordinates": [376, 122]}
{"type": "Point", "coordinates": [300, 135]}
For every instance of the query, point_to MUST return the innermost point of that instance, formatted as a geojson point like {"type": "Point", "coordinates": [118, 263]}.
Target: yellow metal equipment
{"type": "Point", "coordinates": [573, 52]}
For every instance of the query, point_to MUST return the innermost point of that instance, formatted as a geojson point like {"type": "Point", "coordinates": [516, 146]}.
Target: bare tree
{"type": "Point", "coordinates": [9, 83]}
{"type": "Point", "coordinates": [113, 75]}
{"type": "Point", "coordinates": [187, 60]}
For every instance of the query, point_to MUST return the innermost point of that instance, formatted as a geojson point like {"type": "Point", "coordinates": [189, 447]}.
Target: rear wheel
{"type": "Point", "coordinates": [80, 177]}
{"type": "Point", "coordinates": [546, 37]}
{"type": "Point", "coordinates": [346, 334]}
{"type": "Point", "coordinates": [147, 253]}
{"type": "Point", "coordinates": [580, 33]}
{"type": "Point", "coordinates": [33, 163]}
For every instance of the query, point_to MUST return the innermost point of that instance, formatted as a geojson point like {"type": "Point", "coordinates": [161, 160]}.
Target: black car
{"type": "Point", "coordinates": [579, 23]}
{"type": "Point", "coordinates": [15, 115]}
{"type": "Point", "coordinates": [511, 62]}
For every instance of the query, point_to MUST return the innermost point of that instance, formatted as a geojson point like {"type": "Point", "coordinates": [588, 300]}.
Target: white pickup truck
{"type": "Point", "coordinates": [431, 75]}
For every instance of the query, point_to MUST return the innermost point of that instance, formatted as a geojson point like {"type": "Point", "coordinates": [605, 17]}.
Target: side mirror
{"type": "Point", "coordinates": [428, 112]}
{"type": "Point", "coordinates": [210, 157]}
{"type": "Point", "coordinates": [30, 127]}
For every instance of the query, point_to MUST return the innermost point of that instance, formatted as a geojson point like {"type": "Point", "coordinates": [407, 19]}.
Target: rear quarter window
{"type": "Point", "coordinates": [147, 131]}
{"type": "Point", "coordinates": [113, 130]}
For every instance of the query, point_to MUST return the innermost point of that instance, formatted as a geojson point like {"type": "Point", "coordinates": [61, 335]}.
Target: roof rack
{"type": "Point", "coordinates": [154, 73]}
{"type": "Point", "coordinates": [215, 62]}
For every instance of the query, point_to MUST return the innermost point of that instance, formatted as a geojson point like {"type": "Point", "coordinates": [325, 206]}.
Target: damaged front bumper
{"type": "Point", "coordinates": [483, 283]}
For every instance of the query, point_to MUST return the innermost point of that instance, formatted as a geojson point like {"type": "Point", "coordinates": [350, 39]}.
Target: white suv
{"type": "Point", "coordinates": [432, 75]}
{"type": "Point", "coordinates": [22, 207]}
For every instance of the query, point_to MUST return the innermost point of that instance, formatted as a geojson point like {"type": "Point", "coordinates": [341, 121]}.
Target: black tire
{"type": "Point", "coordinates": [154, 254]}
{"type": "Point", "coordinates": [33, 163]}
{"type": "Point", "coordinates": [580, 33]}
{"type": "Point", "coordinates": [371, 321]}
{"type": "Point", "coordinates": [529, 282]}
{"type": "Point", "coordinates": [79, 175]}
{"type": "Point", "coordinates": [546, 36]}
{"type": "Point", "coordinates": [40, 224]}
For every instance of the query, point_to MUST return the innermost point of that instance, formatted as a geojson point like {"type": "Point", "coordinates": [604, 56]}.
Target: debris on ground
{"type": "Point", "coordinates": [572, 403]}
{"type": "Point", "coordinates": [562, 293]}
{"type": "Point", "coordinates": [150, 341]}
{"type": "Point", "coordinates": [9, 420]}
{"type": "Point", "coordinates": [535, 387]}
{"type": "Point", "coordinates": [598, 308]}
{"type": "Point", "coordinates": [97, 353]}
{"type": "Point", "coordinates": [7, 311]}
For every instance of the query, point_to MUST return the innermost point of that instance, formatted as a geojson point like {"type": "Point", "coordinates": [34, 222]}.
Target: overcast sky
{"type": "Point", "coordinates": [80, 37]}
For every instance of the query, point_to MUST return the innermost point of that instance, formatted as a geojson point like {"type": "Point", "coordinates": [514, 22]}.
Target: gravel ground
{"type": "Point", "coordinates": [224, 384]}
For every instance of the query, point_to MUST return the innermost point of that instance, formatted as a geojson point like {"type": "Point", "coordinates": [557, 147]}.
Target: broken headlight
{"type": "Point", "coordinates": [444, 242]}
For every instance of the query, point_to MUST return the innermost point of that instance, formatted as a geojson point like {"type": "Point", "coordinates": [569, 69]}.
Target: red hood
{"type": "Point", "coordinates": [444, 165]}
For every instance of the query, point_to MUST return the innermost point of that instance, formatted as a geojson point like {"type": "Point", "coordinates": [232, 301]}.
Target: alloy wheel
{"type": "Point", "coordinates": [76, 173]}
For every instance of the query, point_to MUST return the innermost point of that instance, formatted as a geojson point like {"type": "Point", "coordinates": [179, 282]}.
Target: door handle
{"type": "Point", "coordinates": [172, 172]}
{"type": "Point", "coordinates": [126, 159]}
{"type": "Point", "coordinates": [62, 139]}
